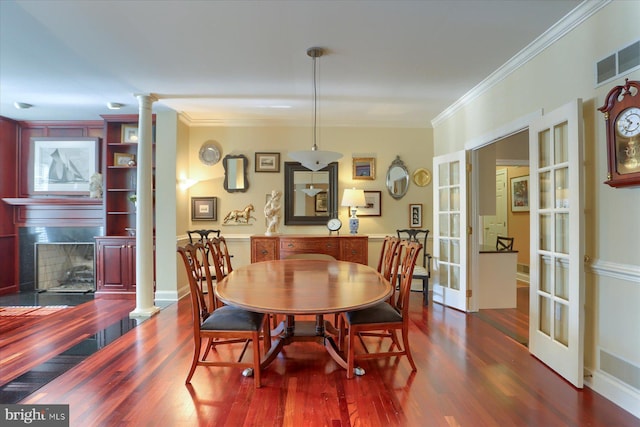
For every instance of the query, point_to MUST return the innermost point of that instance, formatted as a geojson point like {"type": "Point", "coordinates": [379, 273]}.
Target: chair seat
{"type": "Point", "coordinates": [379, 313]}
{"type": "Point", "coordinates": [420, 272]}
{"type": "Point", "coordinates": [227, 318]}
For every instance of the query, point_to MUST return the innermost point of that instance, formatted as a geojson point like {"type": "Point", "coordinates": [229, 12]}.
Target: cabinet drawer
{"type": "Point", "coordinates": [264, 249]}
{"type": "Point", "coordinates": [309, 246]}
{"type": "Point", "coordinates": [354, 250]}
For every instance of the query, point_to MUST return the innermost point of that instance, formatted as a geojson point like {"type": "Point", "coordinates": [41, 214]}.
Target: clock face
{"type": "Point", "coordinates": [334, 224]}
{"type": "Point", "coordinates": [628, 122]}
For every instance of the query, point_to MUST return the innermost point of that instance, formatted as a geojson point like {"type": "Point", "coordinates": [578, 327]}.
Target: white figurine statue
{"type": "Point", "coordinates": [272, 213]}
{"type": "Point", "coordinates": [95, 186]}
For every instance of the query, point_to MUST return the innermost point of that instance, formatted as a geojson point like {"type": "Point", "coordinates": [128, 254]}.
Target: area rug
{"type": "Point", "coordinates": [18, 316]}
{"type": "Point", "coordinates": [34, 310]}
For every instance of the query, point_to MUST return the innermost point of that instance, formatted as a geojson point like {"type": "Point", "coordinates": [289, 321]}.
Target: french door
{"type": "Point", "coordinates": [450, 230]}
{"type": "Point", "coordinates": [556, 323]}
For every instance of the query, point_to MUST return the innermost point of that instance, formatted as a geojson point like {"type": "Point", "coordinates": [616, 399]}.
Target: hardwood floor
{"type": "Point", "coordinates": [469, 374]}
{"type": "Point", "coordinates": [514, 322]}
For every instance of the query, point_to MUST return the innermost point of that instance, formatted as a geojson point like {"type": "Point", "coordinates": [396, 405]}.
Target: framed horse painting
{"type": "Point", "coordinates": [204, 209]}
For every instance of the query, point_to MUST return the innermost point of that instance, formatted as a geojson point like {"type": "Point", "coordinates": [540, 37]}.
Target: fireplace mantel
{"type": "Point", "coordinates": [27, 201]}
{"type": "Point", "coordinates": [56, 211]}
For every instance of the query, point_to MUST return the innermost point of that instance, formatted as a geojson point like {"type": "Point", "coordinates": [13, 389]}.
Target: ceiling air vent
{"type": "Point", "coordinates": [621, 62]}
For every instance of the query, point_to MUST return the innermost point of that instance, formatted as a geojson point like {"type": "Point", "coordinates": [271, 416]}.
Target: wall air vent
{"type": "Point", "coordinates": [623, 61]}
{"type": "Point", "coordinates": [620, 368]}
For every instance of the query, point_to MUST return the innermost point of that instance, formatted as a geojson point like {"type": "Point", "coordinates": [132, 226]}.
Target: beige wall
{"type": "Point", "coordinates": [414, 146]}
{"type": "Point", "coordinates": [560, 74]}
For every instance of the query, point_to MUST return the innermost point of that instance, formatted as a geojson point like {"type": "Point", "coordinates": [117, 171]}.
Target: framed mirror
{"type": "Point", "coordinates": [310, 198]}
{"type": "Point", "coordinates": [397, 179]}
{"type": "Point", "coordinates": [235, 173]}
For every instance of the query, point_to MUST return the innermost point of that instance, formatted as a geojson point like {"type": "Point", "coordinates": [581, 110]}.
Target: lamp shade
{"type": "Point", "coordinates": [353, 198]}
{"type": "Point", "coordinates": [315, 159]}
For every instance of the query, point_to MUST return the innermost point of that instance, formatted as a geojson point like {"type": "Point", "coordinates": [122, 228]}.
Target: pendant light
{"type": "Point", "coordinates": [312, 191]}
{"type": "Point", "coordinates": [315, 159]}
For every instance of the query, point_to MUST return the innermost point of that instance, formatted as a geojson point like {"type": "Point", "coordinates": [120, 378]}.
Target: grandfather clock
{"type": "Point", "coordinates": [622, 119]}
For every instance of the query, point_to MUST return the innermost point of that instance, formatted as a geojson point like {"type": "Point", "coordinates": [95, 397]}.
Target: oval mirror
{"type": "Point", "coordinates": [310, 198]}
{"type": "Point", "coordinates": [397, 179]}
{"type": "Point", "coordinates": [235, 173]}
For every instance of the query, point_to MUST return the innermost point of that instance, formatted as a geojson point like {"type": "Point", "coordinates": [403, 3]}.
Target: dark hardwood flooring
{"type": "Point", "coordinates": [469, 374]}
{"type": "Point", "coordinates": [513, 322]}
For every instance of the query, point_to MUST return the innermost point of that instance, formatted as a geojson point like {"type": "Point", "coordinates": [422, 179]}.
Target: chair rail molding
{"type": "Point", "coordinates": [615, 270]}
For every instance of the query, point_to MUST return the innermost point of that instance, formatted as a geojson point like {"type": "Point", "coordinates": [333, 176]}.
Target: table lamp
{"type": "Point", "coordinates": [353, 199]}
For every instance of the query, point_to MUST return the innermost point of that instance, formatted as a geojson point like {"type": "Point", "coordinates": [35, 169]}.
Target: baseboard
{"type": "Point", "coordinates": [617, 392]}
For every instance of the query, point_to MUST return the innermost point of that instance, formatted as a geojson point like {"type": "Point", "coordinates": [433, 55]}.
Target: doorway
{"type": "Point", "coordinates": [509, 156]}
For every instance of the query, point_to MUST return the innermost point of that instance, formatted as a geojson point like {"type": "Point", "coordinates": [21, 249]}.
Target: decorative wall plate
{"type": "Point", "coordinates": [209, 154]}
{"type": "Point", "coordinates": [422, 177]}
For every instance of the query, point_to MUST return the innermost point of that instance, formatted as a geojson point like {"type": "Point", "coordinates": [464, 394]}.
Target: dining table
{"type": "Point", "coordinates": [293, 287]}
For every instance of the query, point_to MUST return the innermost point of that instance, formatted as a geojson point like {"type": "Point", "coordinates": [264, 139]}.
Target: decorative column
{"type": "Point", "coordinates": [144, 215]}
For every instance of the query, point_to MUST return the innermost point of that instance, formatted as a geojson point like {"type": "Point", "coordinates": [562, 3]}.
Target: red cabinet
{"type": "Point", "coordinates": [115, 265]}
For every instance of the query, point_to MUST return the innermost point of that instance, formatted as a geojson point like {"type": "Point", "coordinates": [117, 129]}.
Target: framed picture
{"type": "Point", "coordinates": [415, 215]}
{"type": "Point", "coordinates": [374, 204]}
{"type": "Point", "coordinates": [124, 159]}
{"type": "Point", "coordinates": [321, 201]}
{"type": "Point", "coordinates": [62, 166]}
{"type": "Point", "coordinates": [204, 209]}
{"type": "Point", "coordinates": [520, 194]}
{"type": "Point", "coordinates": [267, 162]}
{"type": "Point", "coordinates": [364, 168]}
{"type": "Point", "coordinates": [130, 134]}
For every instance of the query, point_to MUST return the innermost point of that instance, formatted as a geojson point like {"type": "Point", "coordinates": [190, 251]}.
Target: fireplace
{"type": "Point", "coordinates": [65, 267]}
{"type": "Point", "coordinates": [55, 257]}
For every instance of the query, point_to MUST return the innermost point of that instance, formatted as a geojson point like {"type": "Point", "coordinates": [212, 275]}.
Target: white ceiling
{"type": "Point", "coordinates": [389, 63]}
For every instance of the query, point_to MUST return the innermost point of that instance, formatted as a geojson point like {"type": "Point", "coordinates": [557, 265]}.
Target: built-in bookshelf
{"type": "Point", "coordinates": [120, 173]}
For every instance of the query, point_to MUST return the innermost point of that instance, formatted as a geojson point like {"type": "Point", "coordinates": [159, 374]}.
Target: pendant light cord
{"type": "Point", "coordinates": [315, 105]}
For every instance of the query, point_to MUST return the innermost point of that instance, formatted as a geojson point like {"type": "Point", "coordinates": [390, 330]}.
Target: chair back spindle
{"type": "Point", "coordinates": [504, 243]}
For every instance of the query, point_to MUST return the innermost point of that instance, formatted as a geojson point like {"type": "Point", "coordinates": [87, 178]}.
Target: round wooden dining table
{"type": "Point", "coordinates": [303, 287]}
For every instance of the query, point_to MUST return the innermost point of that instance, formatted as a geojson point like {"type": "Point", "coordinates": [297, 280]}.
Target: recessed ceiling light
{"type": "Point", "coordinates": [114, 105]}
{"type": "Point", "coordinates": [22, 105]}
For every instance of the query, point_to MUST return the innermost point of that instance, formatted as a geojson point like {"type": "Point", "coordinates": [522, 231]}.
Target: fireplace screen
{"type": "Point", "coordinates": [65, 267]}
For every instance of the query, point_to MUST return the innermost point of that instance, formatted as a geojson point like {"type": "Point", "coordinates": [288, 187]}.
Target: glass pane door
{"type": "Point", "coordinates": [450, 237]}
{"type": "Point", "coordinates": [557, 274]}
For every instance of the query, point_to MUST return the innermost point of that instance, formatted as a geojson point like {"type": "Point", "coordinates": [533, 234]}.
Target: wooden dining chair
{"type": "Point", "coordinates": [421, 272]}
{"type": "Point", "coordinates": [223, 255]}
{"type": "Point", "coordinates": [219, 325]}
{"type": "Point", "coordinates": [201, 235]}
{"type": "Point", "coordinates": [386, 316]}
{"type": "Point", "coordinates": [387, 266]}
{"type": "Point", "coordinates": [386, 255]}
{"type": "Point", "coordinates": [504, 243]}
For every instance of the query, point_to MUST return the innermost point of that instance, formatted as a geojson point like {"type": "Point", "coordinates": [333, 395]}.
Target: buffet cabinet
{"type": "Point", "coordinates": [353, 248]}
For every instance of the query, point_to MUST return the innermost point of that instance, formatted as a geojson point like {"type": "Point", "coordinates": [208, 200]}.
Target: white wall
{"type": "Point", "coordinates": [564, 72]}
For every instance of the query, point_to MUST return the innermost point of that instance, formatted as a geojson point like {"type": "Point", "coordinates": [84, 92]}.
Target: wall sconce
{"type": "Point", "coordinates": [186, 183]}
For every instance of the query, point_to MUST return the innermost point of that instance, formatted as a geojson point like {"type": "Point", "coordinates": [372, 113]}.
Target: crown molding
{"type": "Point", "coordinates": [208, 121]}
{"type": "Point", "coordinates": [570, 21]}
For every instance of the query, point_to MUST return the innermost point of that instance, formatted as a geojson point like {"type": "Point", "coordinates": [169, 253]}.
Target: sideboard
{"type": "Point", "coordinates": [353, 248]}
